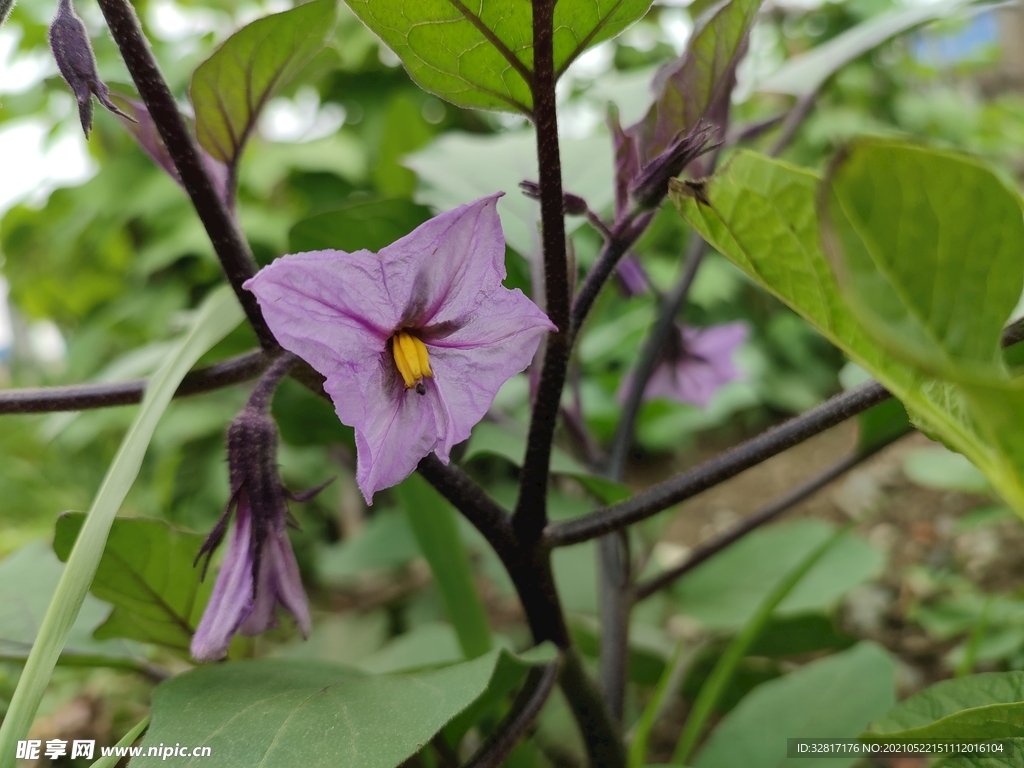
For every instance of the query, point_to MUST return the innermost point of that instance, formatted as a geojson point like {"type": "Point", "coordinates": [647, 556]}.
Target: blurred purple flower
{"type": "Point", "coordinates": [695, 364]}
{"type": "Point", "coordinates": [69, 41]}
{"type": "Point", "coordinates": [414, 341]}
{"type": "Point", "coordinates": [141, 125]}
{"type": "Point", "coordinates": [259, 570]}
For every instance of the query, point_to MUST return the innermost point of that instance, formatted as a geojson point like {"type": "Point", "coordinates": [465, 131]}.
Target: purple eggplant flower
{"type": "Point", "coordinates": [72, 50]}
{"type": "Point", "coordinates": [259, 570]}
{"type": "Point", "coordinates": [414, 341]}
{"type": "Point", "coordinates": [696, 362]}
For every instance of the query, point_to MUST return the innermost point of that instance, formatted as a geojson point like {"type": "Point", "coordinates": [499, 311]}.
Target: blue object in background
{"type": "Point", "coordinates": [942, 49]}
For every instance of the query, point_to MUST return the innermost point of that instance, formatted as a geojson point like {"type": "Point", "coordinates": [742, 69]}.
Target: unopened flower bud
{"type": "Point", "coordinates": [6, 6]}
{"type": "Point", "coordinates": [650, 187]}
{"type": "Point", "coordinates": [70, 44]}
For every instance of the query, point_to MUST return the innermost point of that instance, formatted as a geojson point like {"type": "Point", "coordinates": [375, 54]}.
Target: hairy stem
{"type": "Point", "coordinates": [80, 397]}
{"type": "Point", "coordinates": [717, 470]}
{"type": "Point", "coordinates": [531, 509]}
{"type": "Point", "coordinates": [228, 242]}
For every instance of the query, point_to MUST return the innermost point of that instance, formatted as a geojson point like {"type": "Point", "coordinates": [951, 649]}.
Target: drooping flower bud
{"type": "Point", "coordinates": [69, 41]}
{"type": "Point", "coordinates": [259, 570]}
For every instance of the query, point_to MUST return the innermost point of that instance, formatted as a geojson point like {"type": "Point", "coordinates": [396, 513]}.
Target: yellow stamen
{"type": "Point", "coordinates": [411, 359]}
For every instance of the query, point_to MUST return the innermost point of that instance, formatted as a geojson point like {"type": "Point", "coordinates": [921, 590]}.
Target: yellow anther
{"type": "Point", "coordinates": [411, 359]}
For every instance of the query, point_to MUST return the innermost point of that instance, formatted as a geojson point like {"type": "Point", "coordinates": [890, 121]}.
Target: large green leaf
{"type": "Point", "coordinates": [763, 218]}
{"type": "Point", "coordinates": [231, 87]}
{"type": "Point", "coordinates": [725, 591]}
{"type": "Point", "coordinates": [927, 247]}
{"type": "Point", "coordinates": [146, 572]}
{"type": "Point", "coordinates": [836, 696]}
{"type": "Point", "coordinates": [988, 705]}
{"type": "Point", "coordinates": [479, 53]}
{"type": "Point", "coordinates": [219, 315]}
{"type": "Point", "coordinates": [302, 713]}
{"type": "Point", "coordinates": [28, 579]}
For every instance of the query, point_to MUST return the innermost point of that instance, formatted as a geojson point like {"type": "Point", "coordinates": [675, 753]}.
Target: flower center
{"type": "Point", "coordinates": [412, 360]}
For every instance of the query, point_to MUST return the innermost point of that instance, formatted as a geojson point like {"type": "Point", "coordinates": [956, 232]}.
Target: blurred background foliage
{"type": "Point", "coordinates": [103, 272]}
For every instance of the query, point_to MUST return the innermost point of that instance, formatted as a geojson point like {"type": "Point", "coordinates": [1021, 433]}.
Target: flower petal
{"type": "Point", "coordinates": [330, 308]}
{"type": "Point", "coordinates": [471, 363]}
{"type": "Point", "coordinates": [442, 270]}
{"type": "Point", "coordinates": [231, 601]}
{"type": "Point", "coordinates": [395, 427]}
{"type": "Point", "coordinates": [279, 582]}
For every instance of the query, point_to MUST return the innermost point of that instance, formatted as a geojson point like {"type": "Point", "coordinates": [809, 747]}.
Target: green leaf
{"type": "Point", "coordinates": [218, 315]}
{"type": "Point", "coordinates": [231, 87]}
{"type": "Point", "coordinates": [437, 533]}
{"type": "Point", "coordinates": [480, 54]}
{"type": "Point", "coordinates": [510, 443]}
{"type": "Point", "coordinates": [880, 425]}
{"type": "Point", "coordinates": [723, 592]}
{"type": "Point", "coordinates": [28, 579]}
{"type": "Point", "coordinates": [433, 644]}
{"type": "Point", "coordinates": [386, 542]}
{"type": "Point", "coordinates": [301, 713]}
{"type": "Point", "coordinates": [763, 218]}
{"type": "Point", "coordinates": [988, 705]}
{"type": "Point", "coordinates": [835, 696]}
{"type": "Point", "coordinates": [804, 74]}
{"type": "Point", "coordinates": [927, 248]}
{"type": "Point", "coordinates": [146, 573]}
{"type": "Point", "coordinates": [370, 225]}
{"type": "Point", "coordinates": [718, 681]}
{"type": "Point", "coordinates": [944, 470]}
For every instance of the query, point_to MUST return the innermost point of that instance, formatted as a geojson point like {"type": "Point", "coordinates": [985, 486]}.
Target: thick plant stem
{"type": "Point", "coordinates": [228, 242]}
{"type": "Point", "coordinates": [531, 510]}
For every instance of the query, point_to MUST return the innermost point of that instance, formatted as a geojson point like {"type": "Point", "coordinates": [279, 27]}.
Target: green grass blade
{"type": "Point", "coordinates": [667, 683]}
{"type": "Point", "coordinates": [219, 314]}
{"type": "Point", "coordinates": [720, 676]}
{"type": "Point", "coordinates": [126, 741]}
{"type": "Point", "coordinates": [437, 532]}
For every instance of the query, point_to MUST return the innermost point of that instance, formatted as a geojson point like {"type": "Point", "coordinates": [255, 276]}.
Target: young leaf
{"type": "Point", "coordinates": [763, 218]}
{"type": "Point", "coordinates": [146, 572]}
{"type": "Point", "coordinates": [836, 695]}
{"type": "Point", "coordinates": [231, 87]}
{"type": "Point", "coordinates": [480, 54]}
{"type": "Point", "coordinates": [292, 713]}
{"type": "Point", "coordinates": [437, 533]}
{"type": "Point", "coordinates": [699, 84]}
{"type": "Point", "coordinates": [219, 314]}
